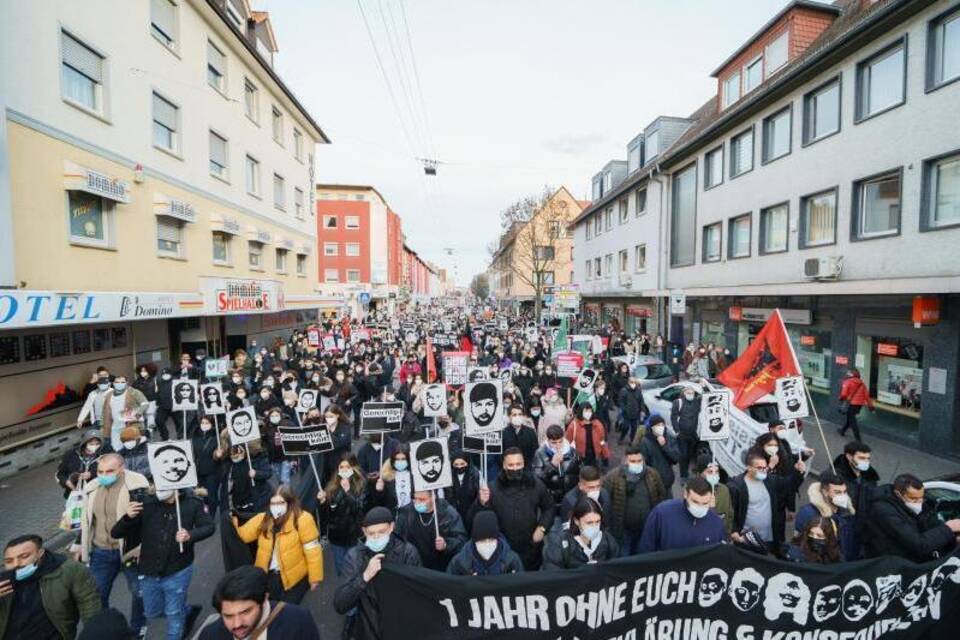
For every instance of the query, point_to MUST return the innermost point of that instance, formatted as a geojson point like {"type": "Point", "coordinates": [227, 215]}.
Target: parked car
{"type": "Point", "coordinates": [652, 372]}
{"type": "Point", "coordinates": [944, 492]}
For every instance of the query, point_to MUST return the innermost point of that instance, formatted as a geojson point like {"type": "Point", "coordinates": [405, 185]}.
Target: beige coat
{"type": "Point", "coordinates": [131, 480]}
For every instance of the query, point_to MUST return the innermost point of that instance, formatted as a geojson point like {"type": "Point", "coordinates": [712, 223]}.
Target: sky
{"type": "Point", "coordinates": [513, 95]}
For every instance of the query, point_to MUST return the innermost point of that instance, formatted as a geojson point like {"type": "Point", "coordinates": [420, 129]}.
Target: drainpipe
{"type": "Point", "coordinates": [663, 323]}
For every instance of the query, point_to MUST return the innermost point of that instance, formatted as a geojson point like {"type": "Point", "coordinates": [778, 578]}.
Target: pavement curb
{"type": "Point", "coordinates": [60, 540]}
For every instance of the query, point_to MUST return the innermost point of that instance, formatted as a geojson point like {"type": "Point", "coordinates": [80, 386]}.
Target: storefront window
{"type": "Point", "coordinates": [712, 332]}
{"type": "Point", "coordinates": [815, 354]}
{"type": "Point", "coordinates": [893, 369]}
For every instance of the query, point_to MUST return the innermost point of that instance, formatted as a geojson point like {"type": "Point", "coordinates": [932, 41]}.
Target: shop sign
{"type": "Point", "coordinates": [24, 308]}
{"type": "Point", "coordinates": [238, 295]}
{"type": "Point", "coordinates": [926, 310]}
{"type": "Point", "coordinates": [82, 179]}
{"type": "Point", "coordinates": [888, 349]}
{"type": "Point", "coordinates": [842, 361]}
{"type": "Point", "coordinates": [736, 313]}
{"type": "Point", "coordinates": [639, 311]}
{"type": "Point", "coordinates": [678, 303]}
{"type": "Point", "coordinates": [179, 209]}
{"type": "Point", "coordinates": [790, 316]}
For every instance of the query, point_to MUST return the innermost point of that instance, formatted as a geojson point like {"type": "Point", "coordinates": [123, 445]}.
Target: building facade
{"type": "Point", "coordinates": [158, 198]}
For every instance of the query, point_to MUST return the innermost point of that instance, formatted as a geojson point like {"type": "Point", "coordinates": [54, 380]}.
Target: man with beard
{"type": "Point", "coordinates": [523, 505]}
{"type": "Point", "coordinates": [430, 461]}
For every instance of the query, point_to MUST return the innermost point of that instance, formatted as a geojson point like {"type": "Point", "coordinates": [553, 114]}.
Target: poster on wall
{"type": "Point", "coordinates": [900, 384]}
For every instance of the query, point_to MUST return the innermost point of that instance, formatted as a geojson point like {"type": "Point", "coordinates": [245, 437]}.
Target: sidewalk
{"type": "Point", "coordinates": [32, 502]}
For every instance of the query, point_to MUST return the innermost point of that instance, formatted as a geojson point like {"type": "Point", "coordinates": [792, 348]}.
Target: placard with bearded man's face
{"type": "Point", "coordinates": [791, 398]}
{"type": "Point", "coordinates": [714, 420]}
{"type": "Point", "coordinates": [434, 400]}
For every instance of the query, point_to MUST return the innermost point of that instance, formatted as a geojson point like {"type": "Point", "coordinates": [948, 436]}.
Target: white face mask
{"type": "Point", "coordinates": [345, 473]}
{"type": "Point", "coordinates": [275, 419]}
{"type": "Point", "coordinates": [205, 426]}
{"type": "Point", "coordinates": [486, 548]}
{"type": "Point", "coordinates": [278, 510]}
{"type": "Point", "coordinates": [594, 495]}
{"type": "Point", "coordinates": [587, 415]}
{"type": "Point", "coordinates": [516, 421]}
{"type": "Point", "coordinates": [331, 421]}
{"type": "Point", "coordinates": [375, 445]}
{"type": "Point", "coordinates": [129, 444]}
{"type": "Point", "coordinates": [163, 496]}
{"type": "Point", "coordinates": [842, 501]}
{"type": "Point", "coordinates": [771, 451]}
{"type": "Point", "coordinates": [658, 431]}
{"type": "Point", "coordinates": [697, 510]}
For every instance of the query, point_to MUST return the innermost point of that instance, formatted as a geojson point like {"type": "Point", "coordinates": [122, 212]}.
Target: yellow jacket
{"type": "Point", "coordinates": [298, 548]}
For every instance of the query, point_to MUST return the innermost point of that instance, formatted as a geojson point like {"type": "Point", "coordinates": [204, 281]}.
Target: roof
{"type": "Point", "coordinates": [795, 4]}
{"type": "Point", "coordinates": [507, 237]}
{"type": "Point", "coordinates": [264, 18]}
{"type": "Point", "coordinates": [351, 187]}
{"type": "Point", "coordinates": [252, 49]}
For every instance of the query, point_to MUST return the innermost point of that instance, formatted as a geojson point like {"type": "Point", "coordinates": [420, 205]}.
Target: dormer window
{"type": "Point", "coordinates": [776, 54]}
{"type": "Point", "coordinates": [652, 145]}
{"type": "Point", "coordinates": [234, 15]}
{"type": "Point", "coordinates": [731, 89]}
{"type": "Point", "coordinates": [753, 74]}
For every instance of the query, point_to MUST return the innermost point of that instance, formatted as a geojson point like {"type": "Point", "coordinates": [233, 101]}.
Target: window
{"type": "Point", "coordinates": [298, 202]}
{"type": "Point", "coordinates": [773, 228]}
{"type": "Point", "coordinates": [634, 157]}
{"type": "Point", "coordinates": [943, 50]}
{"type": "Point", "coordinates": [251, 101]}
{"type": "Point", "coordinates": [282, 260]}
{"type": "Point", "coordinates": [640, 201]}
{"type": "Point", "coordinates": [608, 219]}
{"type": "Point", "coordinates": [329, 222]}
{"type": "Point", "coordinates": [821, 112]}
{"type": "Point", "coordinates": [352, 222]}
{"type": "Point", "coordinates": [221, 248]}
{"type": "Point", "coordinates": [942, 192]}
{"type": "Point", "coordinates": [253, 176]}
{"type": "Point", "coordinates": [777, 134]}
{"type": "Point", "coordinates": [353, 249]}
{"type": "Point", "coordinates": [877, 206]}
{"type": "Point", "coordinates": [753, 75]}
{"type": "Point", "coordinates": [740, 231]}
{"type": "Point", "coordinates": [652, 145]}
{"type": "Point", "coordinates": [597, 270]}
{"type": "Point", "coordinates": [331, 275]}
{"type": "Point", "coordinates": [218, 156]}
{"type": "Point", "coordinates": [216, 68]}
{"type": "Point", "coordinates": [731, 90]}
{"type": "Point", "coordinates": [88, 218]}
{"type": "Point", "coordinates": [881, 81]}
{"type": "Point", "coordinates": [589, 228]}
{"type": "Point", "coordinates": [81, 73]}
{"type": "Point", "coordinates": [353, 275]}
{"type": "Point", "coordinates": [818, 219]}
{"type": "Point", "coordinates": [165, 117]}
{"type": "Point", "coordinates": [544, 252]}
{"type": "Point", "coordinates": [597, 224]}
{"type": "Point", "coordinates": [331, 249]}
{"type": "Point", "coordinates": [713, 168]}
{"type": "Point", "coordinates": [607, 182]}
{"type": "Point", "coordinates": [640, 258]}
{"type": "Point", "coordinates": [163, 21]}
{"type": "Point", "coordinates": [712, 242]}
{"type": "Point", "coordinates": [547, 278]}
{"type": "Point", "coordinates": [301, 265]}
{"type": "Point", "coordinates": [683, 219]}
{"type": "Point", "coordinates": [587, 271]}
{"type": "Point", "coordinates": [279, 192]}
{"type": "Point", "coordinates": [741, 153]}
{"type": "Point", "coordinates": [169, 236]}
{"type": "Point", "coordinates": [234, 14]}
{"type": "Point", "coordinates": [624, 259]}
{"type": "Point", "coordinates": [277, 123]}
{"type": "Point", "coordinates": [624, 215]}
{"type": "Point", "coordinates": [255, 254]}
{"type": "Point", "coordinates": [608, 265]}
{"type": "Point", "coordinates": [776, 54]}
{"type": "Point", "coordinates": [298, 145]}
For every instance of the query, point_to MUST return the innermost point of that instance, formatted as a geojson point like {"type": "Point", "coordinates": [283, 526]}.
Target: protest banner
{"type": "Point", "coordinates": [216, 367]}
{"type": "Point", "coordinates": [714, 419]}
{"type": "Point", "coordinates": [431, 464]}
{"type": "Point", "coordinates": [242, 426]}
{"type": "Point", "coordinates": [569, 364]}
{"type": "Point", "coordinates": [483, 404]}
{"type": "Point", "coordinates": [709, 593]}
{"type": "Point", "coordinates": [313, 337]}
{"type": "Point", "coordinates": [171, 464]}
{"type": "Point", "coordinates": [476, 374]}
{"type": "Point", "coordinates": [302, 441]}
{"type": "Point", "coordinates": [455, 364]}
{"type": "Point", "coordinates": [211, 395]}
{"type": "Point", "coordinates": [434, 400]}
{"type": "Point", "coordinates": [491, 443]}
{"type": "Point", "coordinates": [585, 380]}
{"type": "Point", "coordinates": [381, 417]}
{"type": "Point", "coordinates": [791, 398]}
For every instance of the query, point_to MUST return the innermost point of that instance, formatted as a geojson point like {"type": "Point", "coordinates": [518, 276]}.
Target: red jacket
{"type": "Point", "coordinates": [578, 436]}
{"type": "Point", "coordinates": [854, 391]}
{"type": "Point", "coordinates": [408, 371]}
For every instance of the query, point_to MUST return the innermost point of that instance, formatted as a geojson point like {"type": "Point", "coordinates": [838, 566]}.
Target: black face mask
{"type": "Point", "coordinates": [513, 475]}
{"type": "Point", "coordinates": [819, 547]}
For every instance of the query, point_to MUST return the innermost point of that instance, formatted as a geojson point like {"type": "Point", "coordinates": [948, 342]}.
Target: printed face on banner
{"type": "Point", "coordinates": [888, 588]}
{"type": "Point", "coordinates": [484, 406]}
{"type": "Point", "coordinates": [411, 336]}
{"type": "Point", "coordinates": [826, 604]}
{"type": "Point", "coordinates": [714, 416]}
{"type": "Point", "coordinates": [745, 588]}
{"type": "Point", "coordinates": [531, 333]}
{"type": "Point", "coordinates": [475, 374]}
{"type": "Point", "coordinates": [506, 376]}
{"type": "Point", "coordinates": [431, 464]}
{"type": "Point", "coordinates": [171, 464]}
{"type": "Point", "coordinates": [786, 596]}
{"type": "Point", "coordinates": [243, 425]}
{"type": "Point", "coordinates": [185, 395]}
{"type": "Point", "coordinates": [791, 398]}
{"type": "Point", "coordinates": [212, 396]}
{"type": "Point", "coordinates": [857, 600]}
{"type": "Point", "coordinates": [585, 380]}
{"type": "Point", "coordinates": [306, 400]}
{"type": "Point", "coordinates": [434, 398]}
{"type": "Point", "coordinates": [713, 585]}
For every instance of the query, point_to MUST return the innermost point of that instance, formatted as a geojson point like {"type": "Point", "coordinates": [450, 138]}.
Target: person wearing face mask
{"type": "Point", "coordinates": [104, 503]}
{"type": "Point", "coordinates": [164, 571]}
{"type": "Point", "coordinates": [238, 494]}
{"type": "Point", "coordinates": [235, 382]}
{"type": "Point", "coordinates": [394, 488]}
{"type": "Point", "coordinates": [266, 399]}
{"type": "Point", "coordinates": [487, 553]}
{"type": "Point", "coordinates": [634, 490]}
{"type": "Point", "coordinates": [343, 502]}
{"type": "Point", "coordinates": [685, 417]}
{"type": "Point", "coordinates": [816, 542]}
{"type": "Point", "coordinates": [520, 433]}
{"type": "Point", "coordinates": [274, 418]}
{"type": "Point", "coordinates": [124, 406]}
{"type": "Point", "coordinates": [341, 432]}
{"type": "Point", "coordinates": [146, 383]}
{"type": "Point", "coordinates": [370, 451]}
{"type": "Point", "coordinates": [903, 523]}
{"type": "Point", "coordinates": [708, 469]}
{"type": "Point", "coordinates": [133, 449]}
{"type": "Point", "coordinates": [583, 542]}
{"type": "Point", "coordinates": [683, 523]}
{"type": "Point", "coordinates": [208, 457]}
{"type": "Point", "coordinates": [410, 369]}
{"type": "Point", "coordinates": [466, 485]}
{"type": "Point", "coordinates": [589, 485]}
{"type": "Point", "coordinates": [588, 436]}
{"type": "Point", "coordinates": [416, 524]}
{"type": "Point", "coordinates": [96, 403]}
{"type": "Point", "coordinates": [760, 498]}
{"type": "Point", "coordinates": [361, 566]}
{"type": "Point", "coordinates": [633, 410]}
{"type": "Point", "coordinates": [548, 378]}
{"type": "Point", "coordinates": [855, 466]}
{"type": "Point", "coordinates": [164, 403]}
{"type": "Point", "coordinates": [288, 547]}
{"type": "Point", "coordinates": [78, 466]}
{"type": "Point", "coordinates": [554, 409]}
{"type": "Point", "coordinates": [659, 449]}
{"type": "Point", "coordinates": [829, 500]}
{"type": "Point", "coordinates": [780, 461]}
{"type": "Point", "coordinates": [48, 596]}
{"type": "Point", "coordinates": [556, 464]}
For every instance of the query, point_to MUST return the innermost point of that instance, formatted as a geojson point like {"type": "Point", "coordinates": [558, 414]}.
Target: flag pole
{"type": "Point", "coordinates": [816, 417]}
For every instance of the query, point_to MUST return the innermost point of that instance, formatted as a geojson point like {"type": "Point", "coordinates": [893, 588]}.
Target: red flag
{"type": "Point", "coordinates": [755, 372]}
{"type": "Point", "coordinates": [431, 362]}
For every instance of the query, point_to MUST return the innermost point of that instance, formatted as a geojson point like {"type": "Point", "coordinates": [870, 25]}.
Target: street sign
{"type": "Point", "coordinates": [364, 298]}
{"type": "Point", "coordinates": [678, 303]}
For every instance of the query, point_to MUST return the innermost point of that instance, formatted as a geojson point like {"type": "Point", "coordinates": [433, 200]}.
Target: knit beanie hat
{"type": "Point", "coordinates": [485, 526]}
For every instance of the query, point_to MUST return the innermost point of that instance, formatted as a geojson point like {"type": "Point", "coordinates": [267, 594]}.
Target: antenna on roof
{"type": "Point", "coordinates": [429, 166]}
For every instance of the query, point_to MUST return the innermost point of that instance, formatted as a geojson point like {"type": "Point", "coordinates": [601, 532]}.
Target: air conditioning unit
{"type": "Point", "coordinates": [823, 268]}
{"type": "Point", "coordinates": [626, 280]}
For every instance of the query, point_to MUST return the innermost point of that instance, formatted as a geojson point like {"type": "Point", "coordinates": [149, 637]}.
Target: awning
{"type": "Point", "coordinates": [305, 250]}
{"type": "Point", "coordinates": [284, 243]}
{"type": "Point", "coordinates": [164, 205]}
{"type": "Point", "coordinates": [225, 224]}
{"type": "Point", "coordinates": [77, 178]}
{"type": "Point", "coordinates": [259, 235]}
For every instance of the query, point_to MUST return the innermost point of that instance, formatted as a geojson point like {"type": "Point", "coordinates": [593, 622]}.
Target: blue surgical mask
{"type": "Point", "coordinates": [22, 573]}
{"type": "Point", "coordinates": [420, 507]}
{"type": "Point", "coordinates": [863, 466]}
{"type": "Point", "coordinates": [590, 533]}
{"type": "Point", "coordinates": [760, 476]}
{"type": "Point", "coordinates": [636, 468]}
{"type": "Point", "coordinates": [107, 480]}
{"type": "Point", "coordinates": [400, 465]}
{"type": "Point", "coordinates": [377, 544]}
{"type": "Point", "coordinates": [119, 387]}
{"type": "Point", "coordinates": [713, 479]}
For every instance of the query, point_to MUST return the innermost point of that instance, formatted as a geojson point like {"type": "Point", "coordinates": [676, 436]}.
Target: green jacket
{"type": "Point", "coordinates": [724, 507]}
{"type": "Point", "coordinates": [616, 485]}
{"type": "Point", "coordinates": [69, 595]}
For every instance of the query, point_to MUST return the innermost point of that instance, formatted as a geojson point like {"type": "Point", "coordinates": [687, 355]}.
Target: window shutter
{"type": "Point", "coordinates": [218, 149]}
{"type": "Point", "coordinates": [164, 112]}
{"type": "Point", "coordinates": [168, 230]}
{"type": "Point", "coordinates": [81, 58]}
{"type": "Point", "coordinates": [164, 17]}
{"type": "Point", "coordinates": [215, 58]}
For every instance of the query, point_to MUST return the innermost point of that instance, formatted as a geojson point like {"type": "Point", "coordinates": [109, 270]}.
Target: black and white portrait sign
{"type": "Point", "coordinates": [714, 421]}
{"type": "Point", "coordinates": [434, 400]}
{"type": "Point", "coordinates": [172, 465]}
{"type": "Point", "coordinates": [298, 441]}
{"type": "Point", "coordinates": [431, 464]}
{"type": "Point", "coordinates": [381, 417]}
{"type": "Point", "coordinates": [483, 410]}
{"type": "Point", "coordinates": [211, 394]}
{"type": "Point", "coordinates": [506, 376]}
{"type": "Point", "coordinates": [475, 374]}
{"type": "Point", "coordinates": [242, 426]}
{"type": "Point", "coordinates": [532, 334]}
{"type": "Point", "coordinates": [585, 381]}
{"type": "Point", "coordinates": [410, 337]}
{"type": "Point", "coordinates": [791, 398]}
{"type": "Point", "coordinates": [307, 399]}
{"type": "Point", "coordinates": [184, 391]}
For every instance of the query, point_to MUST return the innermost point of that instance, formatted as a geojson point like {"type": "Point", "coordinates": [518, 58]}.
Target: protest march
{"type": "Point", "coordinates": [522, 480]}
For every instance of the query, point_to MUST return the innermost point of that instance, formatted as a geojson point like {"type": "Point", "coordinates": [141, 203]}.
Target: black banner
{"type": "Point", "coordinates": [710, 593]}
{"type": "Point", "coordinates": [297, 441]}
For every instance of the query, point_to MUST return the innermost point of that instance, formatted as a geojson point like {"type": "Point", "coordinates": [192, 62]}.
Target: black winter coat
{"type": "Point", "coordinates": [685, 416]}
{"type": "Point", "coordinates": [72, 464]}
{"type": "Point", "coordinates": [468, 562]}
{"type": "Point", "coordinates": [557, 480]}
{"type": "Point", "coordinates": [862, 490]}
{"type": "Point", "coordinates": [136, 459]}
{"type": "Point", "coordinates": [246, 497]}
{"type": "Point", "coordinates": [451, 530]}
{"type": "Point", "coordinates": [147, 386]}
{"type": "Point", "coordinates": [525, 440]}
{"type": "Point", "coordinates": [894, 530]}
{"type": "Point", "coordinates": [340, 516]}
{"type": "Point", "coordinates": [632, 404]}
{"type": "Point", "coordinates": [463, 494]}
{"type": "Point", "coordinates": [573, 496]}
{"type": "Point", "coordinates": [204, 444]}
{"type": "Point", "coordinates": [661, 458]}
{"type": "Point", "coordinates": [562, 551]}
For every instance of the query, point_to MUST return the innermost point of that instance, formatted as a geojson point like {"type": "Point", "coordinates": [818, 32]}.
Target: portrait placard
{"type": "Point", "coordinates": [433, 397]}
{"type": "Point", "coordinates": [242, 426]}
{"type": "Point", "coordinates": [430, 465]}
{"type": "Point", "coordinates": [483, 407]}
{"type": "Point", "coordinates": [172, 465]}
{"type": "Point", "coordinates": [211, 395]}
{"type": "Point", "coordinates": [184, 391]}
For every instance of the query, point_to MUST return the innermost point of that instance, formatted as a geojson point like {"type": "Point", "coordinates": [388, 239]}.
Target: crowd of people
{"type": "Point", "coordinates": [558, 495]}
